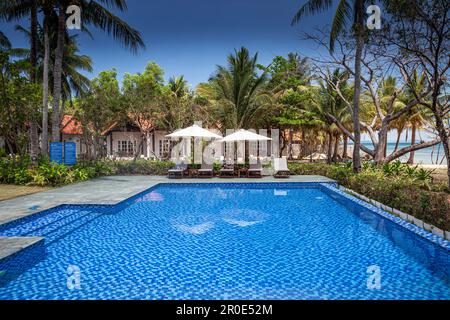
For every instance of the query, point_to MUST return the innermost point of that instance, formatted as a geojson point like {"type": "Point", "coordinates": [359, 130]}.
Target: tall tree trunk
{"type": "Point", "coordinates": [359, 24]}
{"type": "Point", "coordinates": [330, 147]}
{"type": "Point", "coordinates": [413, 142]}
{"type": "Point", "coordinates": [336, 149]}
{"type": "Point", "coordinates": [380, 148]}
{"type": "Point", "coordinates": [44, 138]}
{"type": "Point", "coordinates": [57, 75]}
{"type": "Point", "coordinates": [34, 136]}
{"type": "Point", "coordinates": [303, 148]}
{"type": "Point", "coordinates": [345, 151]}
{"type": "Point", "coordinates": [290, 144]}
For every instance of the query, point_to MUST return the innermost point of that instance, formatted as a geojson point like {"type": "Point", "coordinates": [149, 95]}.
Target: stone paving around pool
{"type": "Point", "coordinates": [104, 190]}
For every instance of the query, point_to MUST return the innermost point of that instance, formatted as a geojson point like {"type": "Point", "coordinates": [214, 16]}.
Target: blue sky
{"type": "Point", "coordinates": [191, 37]}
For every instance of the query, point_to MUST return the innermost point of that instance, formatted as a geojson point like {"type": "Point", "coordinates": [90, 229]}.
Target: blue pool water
{"type": "Point", "coordinates": [227, 241]}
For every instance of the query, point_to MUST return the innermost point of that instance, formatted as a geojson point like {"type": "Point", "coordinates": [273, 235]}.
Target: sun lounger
{"type": "Point", "coordinates": [177, 172]}
{"type": "Point", "coordinates": [281, 168]}
{"type": "Point", "coordinates": [206, 171]}
{"type": "Point", "coordinates": [227, 171]}
{"type": "Point", "coordinates": [255, 171]}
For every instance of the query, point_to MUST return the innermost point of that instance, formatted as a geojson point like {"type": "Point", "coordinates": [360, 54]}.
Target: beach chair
{"type": "Point", "coordinates": [206, 171]}
{"type": "Point", "coordinates": [177, 172]}
{"type": "Point", "coordinates": [280, 167]}
{"type": "Point", "coordinates": [255, 171]}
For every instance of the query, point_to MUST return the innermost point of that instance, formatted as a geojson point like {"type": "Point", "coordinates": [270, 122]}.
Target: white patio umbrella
{"type": "Point", "coordinates": [244, 135]}
{"type": "Point", "coordinates": [194, 131]}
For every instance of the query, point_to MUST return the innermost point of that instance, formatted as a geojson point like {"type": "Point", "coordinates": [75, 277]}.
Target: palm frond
{"type": "Point", "coordinates": [119, 4]}
{"type": "Point", "coordinates": [100, 17]}
{"type": "Point", "coordinates": [342, 15]}
{"type": "Point", "coordinates": [311, 7]}
{"type": "Point", "coordinates": [15, 9]}
{"type": "Point", "coordinates": [4, 41]}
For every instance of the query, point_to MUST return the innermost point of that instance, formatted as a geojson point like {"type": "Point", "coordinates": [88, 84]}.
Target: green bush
{"type": "Point", "coordinates": [16, 170]}
{"type": "Point", "coordinates": [396, 185]}
{"type": "Point", "coordinates": [146, 167]}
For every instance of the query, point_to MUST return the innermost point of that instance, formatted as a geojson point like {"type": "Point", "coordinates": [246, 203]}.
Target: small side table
{"type": "Point", "coordinates": [193, 173]}
{"type": "Point", "coordinates": [242, 173]}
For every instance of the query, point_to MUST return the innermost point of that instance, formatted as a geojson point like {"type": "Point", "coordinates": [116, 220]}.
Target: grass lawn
{"type": "Point", "coordinates": [8, 191]}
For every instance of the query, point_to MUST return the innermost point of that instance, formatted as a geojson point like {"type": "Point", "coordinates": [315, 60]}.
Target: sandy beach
{"type": "Point", "coordinates": [440, 171]}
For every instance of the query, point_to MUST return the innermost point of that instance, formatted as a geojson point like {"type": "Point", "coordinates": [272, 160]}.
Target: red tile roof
{"type": "Point", "coordinates": [70, 125]}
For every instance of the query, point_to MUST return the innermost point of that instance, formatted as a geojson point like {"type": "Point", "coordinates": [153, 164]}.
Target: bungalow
{"type": "Point", "coordinates": [72, 131]}
{"type": "Point", "coordinates": [126, 140]}
{"type": "Point", "coordinates": [121, 140]}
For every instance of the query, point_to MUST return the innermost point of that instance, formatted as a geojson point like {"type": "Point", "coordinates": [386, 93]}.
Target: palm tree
{"type": "Point", "coordinates": [417, 116]}
{"type": "Point", "coordinates": [97, 15]}
{"type": "Point", "coordinates": [178, 85]}
{"type": "Point", "coordinates": [94, 13]}
{"type": "Point", "coordinates": [72, 80]}
{"type": "Point", "coordinates": [7, 13]}
{"type": "Point", "coordinates": [347, 11]}
{"type": "Point", "coordinates": [330, 107]}
{"type": "Point", "coordinates": [237, 89]}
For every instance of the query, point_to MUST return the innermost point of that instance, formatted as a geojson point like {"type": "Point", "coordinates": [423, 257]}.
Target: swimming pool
{"type": "Point", "coordinates": [225, 241]}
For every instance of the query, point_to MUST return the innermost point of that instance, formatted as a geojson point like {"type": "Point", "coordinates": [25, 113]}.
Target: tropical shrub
{"type": "Point", "coordinates": [396, 185]}
{"type": "Point", "coordinates": [140, 166]}
{"type": "Point", "coordinates": [16, 170]}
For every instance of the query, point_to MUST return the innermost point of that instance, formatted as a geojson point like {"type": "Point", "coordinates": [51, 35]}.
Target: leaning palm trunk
{"type": "Point", "coordinates": [44, 138]}
{"type": "Point", "coordinates": [57, 75]}
{"type": "Point", "coordinates": [397, 142]}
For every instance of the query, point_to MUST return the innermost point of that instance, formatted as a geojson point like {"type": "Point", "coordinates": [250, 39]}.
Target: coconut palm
{"type": "Point", "coordinates": [24, 8]}
{"type": "Point", "coordinates": [94, 13]}
{"type": "Point", "coordinates": [347, 12]}
{"type": "Point", "coordinates": [330, 107]}
{"type": "Point", "coordinates": [178, 85]}
{"type": "Point", "coordinates": [72, 80]}
{"type": "Point", "coordinates": [237, 89]}
{"type": "Point", "coordinates": [73, 62]}
{"type": "Point", "coordinates": [416, 117]}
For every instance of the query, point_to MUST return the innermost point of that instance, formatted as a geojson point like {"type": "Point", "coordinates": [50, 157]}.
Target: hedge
{"type": "Point", "coordinates": [409, 191]}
